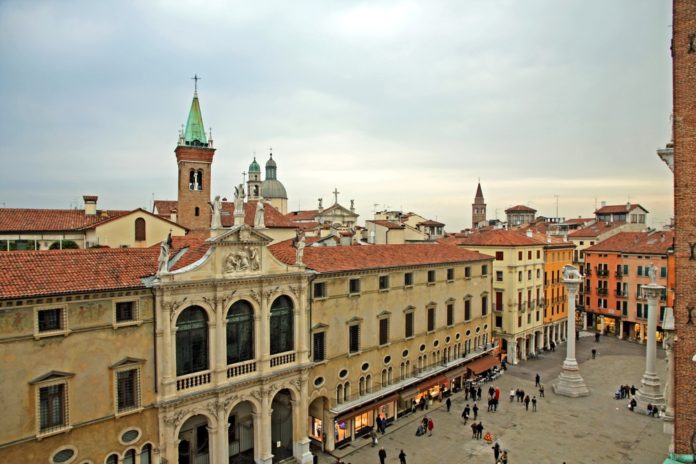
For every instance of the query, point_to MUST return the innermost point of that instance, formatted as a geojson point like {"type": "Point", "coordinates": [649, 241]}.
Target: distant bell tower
{"type": "Point", "coordinates": [254, 182]}
{"type": "Point", "coordinates": [478, 209]}
{"type": "Point", "coordinates": [194, 157]}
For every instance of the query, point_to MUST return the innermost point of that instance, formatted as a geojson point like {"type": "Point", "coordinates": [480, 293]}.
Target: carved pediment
{"type": "Point", "coordinates": [240, 249]}
{"type": "Point", "coordinates": [241, 235]}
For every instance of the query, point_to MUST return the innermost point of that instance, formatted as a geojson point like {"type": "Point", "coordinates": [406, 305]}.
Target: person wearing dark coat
{"type": "Point", "coordinates": [496, 451]}
{"type": "Point", "coordinates": [448, 403]}
{"type": "Point", "coordinates": [475, 410]}
{"type": "Point", "coordinates": [537, 378]}
{"type": "Point", "coordinates": [382, 456]}
{"type": "Point", "coordinates": [402, 457]}
{"type": "Point", "coordinates": [526, 402]}
{"type": "Point", "coordinates": [478, 393]}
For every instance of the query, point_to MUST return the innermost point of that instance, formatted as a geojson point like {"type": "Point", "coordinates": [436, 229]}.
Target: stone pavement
{"type": "Point", "coordinates": [593, 429]}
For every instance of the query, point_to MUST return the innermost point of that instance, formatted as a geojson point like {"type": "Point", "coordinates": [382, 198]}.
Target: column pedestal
{"type": "Point", "coordinates": [650, 391]}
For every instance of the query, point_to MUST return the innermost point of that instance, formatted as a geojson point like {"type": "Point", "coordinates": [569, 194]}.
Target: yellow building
{"type": "Point", "coordinates": [518, 288]}
{"type": "Point", "coordinates": [76, 357]}
{"type": "Point", "coordinates": [391, 326]}
{"type": "Point", "coordinates": [557, 253]}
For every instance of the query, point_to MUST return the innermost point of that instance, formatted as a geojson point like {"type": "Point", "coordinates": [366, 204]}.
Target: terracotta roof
{"type": "Point", "coordinates": [657, 242]}
{"type": "Point", "coordinates": [194, 248]}
{"type": "Point", "coordinates": [306, 215]}
{"type": "Point", "coordinates": [387, 224]}
{"type": "Point", "coordinates": [430, 222]}
{"type": "Point", "coordinates": [272, 217]}
{"type": "Point", "coordinates": [498, 237]}
{"type": "Point", "coordinates": [44, 220]}
{"type": "Point", "coordinates": [520, 209]}
{"type": "Point", "coordinates": [359, 257]}
{"type": "Point", "coordinates": [618, 209]}
{"type": "Point", "coordinates": [578, 220]}
{"type": "Point", "coordinates": [595, 229]}
{"type": "Point", "coordinates": [52, 272]}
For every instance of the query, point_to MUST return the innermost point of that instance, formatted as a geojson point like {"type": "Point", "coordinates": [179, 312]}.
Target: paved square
{"type": "Point", "coordinates": [594, 429]}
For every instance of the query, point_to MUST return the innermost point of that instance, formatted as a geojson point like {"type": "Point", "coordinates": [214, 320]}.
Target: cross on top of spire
{"type": "Point", "coordinates": [196, 78]}
{"type": "Point", "coordinates": [336, 192]}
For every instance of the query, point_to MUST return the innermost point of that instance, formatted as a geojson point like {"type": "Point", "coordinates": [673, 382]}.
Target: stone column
{"type": "Point", "coordinates": [221, 450]}
{"type": "Point", "coordinates": [667, 343]}
{"type": "Point", "coordinates": [570, 383]}
{"type": "Point", "coordinates": [620, 328]}
{"type": "Point", "coordinates": [300, 447]}
{"type": "Point", "coordinates": [220, 343]}
{"type": "Point", "coordinates": [523, 348]}
{"type": "Point", "coordinates": [532, 343]}
{"type": "Point", "coordinates": [584, 321]}
{"type": "Point", "coordinates": [328, 430]}
{"type": "Point", "coordinates": [650, 391]}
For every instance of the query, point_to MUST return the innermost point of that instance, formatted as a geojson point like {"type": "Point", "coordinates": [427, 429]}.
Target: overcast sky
{"type": "Point", "coordinates": [402, 104]}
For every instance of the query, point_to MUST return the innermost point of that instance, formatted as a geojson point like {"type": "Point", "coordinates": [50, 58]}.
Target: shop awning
{"type": "Point", "coordinates": [367, 407]}
{"type": "Point", "coordinates": [424, 385]}
{"type": "Point", "coordinates": [483, 364]}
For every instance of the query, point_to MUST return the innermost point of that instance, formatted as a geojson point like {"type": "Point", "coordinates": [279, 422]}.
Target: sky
{"type": "Point", "coordinates": [400, 105]}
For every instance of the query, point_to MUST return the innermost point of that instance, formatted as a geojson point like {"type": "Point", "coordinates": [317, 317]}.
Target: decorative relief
{"type": "Point", "coordinates": [246, 259]}
{"type": "Point", "coordinates": [171, 306]}
{"type": "Point", "coordinates": [268, 293]}
{"type": "Point", "coordinates": [258, 394]}
{"type": "Point", "coordinates": [295, 291]}
{"type": "Point", "coordinates": [255, 296]}
{"type": "Point", "coordinates": [173, 420]}
{"type": "Point", "coordinates": [244, 235]}
{"type": "Point", "coordinates": [298, 384]}
{"type": "Point", "coordinates": [212, 301]}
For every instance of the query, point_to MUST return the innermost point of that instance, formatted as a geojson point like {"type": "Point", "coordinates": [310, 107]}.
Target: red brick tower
{"type": "Point", "coordinates": [684, 126]}
{"type": "Point", "coordinates": [194, 156]}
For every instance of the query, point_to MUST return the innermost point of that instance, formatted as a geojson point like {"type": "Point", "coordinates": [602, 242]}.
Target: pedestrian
{"type": "Point", "coordinates": [512, 395]}
{"type": "Point", "coordinates": [496, 451]}
{"type": "Point", "coordinates": [553, 346]}
{"type": "Point", "coordinates": [491, 390]}
{"type": "Point", "coordinates": [526, 402]}
{"type": "Point", "coordinates": [373, 436]}
{"type": "Point", "coordinates": [632, 404]}
{"type": "Point", "coordinates": [534, 401]}
{"type": "Point", "coordinates": [478, 393]}
{"type": "Point", "coordinates": [448, 403]}
{"type": "Point", "coordinates": [596, 337]}
{"type": "Point", "coordinates": [479, 430]}
{"type": "Point", "coordinates": [541, 391]}
{"type": "Point", "coordinates": [382, 455]}
{"type": "Point", "coordinates": [537, 378]}
{"type": "Point", "coordinates": [522, 396]}
{"type": "Point", "coordinates": [474, 429]}
{"type": "Point", "coordinates": [594, 353]}
{"type": "Point", "coordinates": [504, 458]}
{"type": "Point", "coordinates": [466, 394]}
{"type": "Point", "coordinates": [378, 423]}
{"type": "Point", "coordinates": [633, 390]}
{"type": "Point", "coordinates": [475, 410]}
{"type": "Point", "coordinates": [430, 427]}
{"type": "Point", "coordinates": [402, 457]}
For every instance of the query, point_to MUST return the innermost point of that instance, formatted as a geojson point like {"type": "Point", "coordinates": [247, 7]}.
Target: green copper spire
{"type": "Point", "coordinates": [195, 130]}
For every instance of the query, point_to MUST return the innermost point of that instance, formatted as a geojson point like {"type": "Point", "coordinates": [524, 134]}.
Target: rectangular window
{"type": "Point", "coordinates": [52, 407]}
{"type": "Point", "coordinates": [320, 290]}
{"type": "Point", "coordinates": [354, 286]}
{"type": "Point", "coordinates": [538, 254]}
{"type": "Point", "coordinates": [639, 310]}
{"type": "Point", "coordinates": [408, 279]}
{"type": "Point", "coordinates": [519, 276]}
{"type": "Point", "coordinates": [431, 277]}
{"type": "Point", "coordinates": [383, 331]}
{"type": "Point", "coordinates": [484, 305]}
{"type": "Point", "coordinates": [450, 314]}
{"type": "Point", "coordinates": [529, 254]}
{"type": "Point", "coordinates": [125, 311]}
{"type": "Point", "coordinates": [319, 346]}
{"type": "Point", "coordinates": [499, 321]}
{"type": "Point", "coordinates": [354, 338]}
{"type": "Point", "coordinates": [519, 256]}
{"type": "Point", "coordinates": [431, 319]}
{"type": "Point", "coordinates": [467, 309]}
{"type": "Point", "coordinates": [409, 325]}
{"type": "Point", "coordinates": [128, 389]}
{"type": "Point", "coordinates": [467, 272]}
{"type": "Point", "coordinates": [625, 269]}
{"type": "Point", "coordinates": [384, 282]}
{"type": "Point", "coordinates": [640, 270]}
{"type": "Point", "coordinates": [484, 270]}
{"type": "Point", "coordinates": [450, 274]}
{"type": "Point", "coordinates": [663, 272]}
{"type": "Point", "coordinates": [519, 321]}
{"type": "Point", "coordinates": [498, 276]}
{"type": "Point", "coordinates": [499, 255]}
{"type": "Point", "coordinates": [50, 319]}
{"type": "Point", "coordinates": [529, 318]}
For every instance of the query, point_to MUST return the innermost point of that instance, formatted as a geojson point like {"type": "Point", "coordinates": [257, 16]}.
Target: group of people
{"type": "Point", "coordinates": [624, 390]}
{"type": "Point", "coordinates": [426, 425]}
{"type": "Point", "coordinates": [501, 456]}
{"type": "Point", "coordinates": [383, 456]}
{"type": "Point", "coordinates": [477, 430]}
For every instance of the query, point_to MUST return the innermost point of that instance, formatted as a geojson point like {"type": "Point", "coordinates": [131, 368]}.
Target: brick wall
{"type": "Point", "coordinates": [684, 83]}
{"type": "Point", "coordinates": [194, 158]}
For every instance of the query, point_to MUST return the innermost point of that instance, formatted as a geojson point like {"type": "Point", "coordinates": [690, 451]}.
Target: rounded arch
{"type": "Point", "coordinates": [192, 341]}
{"type": "Point", "coordinates": [239, 332]}
{"type": "Point", "coordinates": [209, 310]}
{"type": "Point", "coordinates": [196, 412]}
{"type": "Point", "coordinates": [282, 324]}
{"type": "Point", "coordinates": [112, 458]}
{"type": "Point", "coordinates": [254, 307]}
{"type": "Point", "coordinates": [255, 404]}
{"type": "Point", "coordinates": [133, 451]}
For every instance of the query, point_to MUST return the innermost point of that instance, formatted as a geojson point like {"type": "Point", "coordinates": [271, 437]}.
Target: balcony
{"type": "Point", "coordinates": [618, 275]}
{"type": "Point", "coordinates": [588, 272]}
{"type": "Point", "coordinates": [532, 304]}
{"type": "Point", "coordinates": [280, 359]}
{"type": "Point", "coordinates": [602, 291]}
{"type": "Point", "coordinates": [187, 382]}
{"type": "Point", "coordinates": [602, 272]}
{"type": "Point", "coordinates": [241, 369]}
{"type": "Point", "coordinates": [620, 294]}
{"type": "Point", "coordinates": [523, 306]}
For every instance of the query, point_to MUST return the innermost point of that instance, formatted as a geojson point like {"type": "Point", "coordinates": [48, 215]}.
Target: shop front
{"type": "Point", "coordinates": [358, 422]}
{"type": "Point", "coordinates": [481, 365]}
{"type": "Point", "coordinates": [422, 395]}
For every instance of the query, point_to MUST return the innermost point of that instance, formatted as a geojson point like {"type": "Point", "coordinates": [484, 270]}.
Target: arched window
{"type": "Point", "coordinates": [139, 229]}
{"type": "Point", "coordinates": [339, 393]}
{"type": "Point", "coordinates": [199, 179]}
{"type": "Point", "coordinates": [281, 325]}
{"type": "Point", "coordinates": [191, 341]}
{"type": "Point", "coordinates": [240, 332]}
{"type": "Point", "coordinates": [197, 211]}
{"type": "Point", "coordinates": [192, 180]}
{"type": "Point", "coordinates": [146, 454]}
{"type": "Point", "coordinates": [112, 459]}
{"type": "Point", "coordinates": [129, 457]}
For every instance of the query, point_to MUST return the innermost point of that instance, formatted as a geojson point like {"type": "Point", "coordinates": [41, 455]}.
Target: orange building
{"type": "Point", "coordinates": [615, 270]}
{"type": "Point", "coordinates": [557, 253]}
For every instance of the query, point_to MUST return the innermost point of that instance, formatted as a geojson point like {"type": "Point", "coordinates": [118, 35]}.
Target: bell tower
{"type": "Point", "coordinates": [194, 157]}
{"type": "Point", "coordinates": [478, 208]}
{"type": "Point", "coordinates": [254, 182]}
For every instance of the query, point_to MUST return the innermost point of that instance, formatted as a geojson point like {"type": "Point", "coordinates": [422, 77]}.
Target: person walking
{"type": "Point", "coordinates": [402, 457]}
{"type": "Point", "coordinates": [478, 393]}
{"type": "Point", "coordinates": [496, 451]}
{"type": "Point", "coordinates": [475, 410]}
{"type": "Point", "coordinates": [504, 458]}
{"type": "Point", "coordinates": [541, 391]}
{"type": "Point", "coordinates": [594, 353]}
{"type": "Point", "coordinates": [373, 436]}
{"type": "Point", "coordinates": [537, 378]}
{"type": "Point", "coordinates": [526, 402]}
{"type": "Point", "coordinates": [512, 395]}
{"type": "Point", "coordinates": [479, 431]}
{"type": "Point", "coordinates": [534, 402]}
{"type": "Point", "coordinates": [474, 429]}
{"type": "Point", "coordinates": [465, 413]}
{"type": "Point", "coordinates": [596, 337]}
{"type": "Point", "coordinates": [448, 403]}
{"type": "Point", "coordinates": [431, 425]}
{"type": "Point", "coordinates": [382, 456]}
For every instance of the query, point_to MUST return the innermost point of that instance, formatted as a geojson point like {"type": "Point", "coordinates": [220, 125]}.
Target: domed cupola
{"type": "Point", "coordinates": [272, 189]}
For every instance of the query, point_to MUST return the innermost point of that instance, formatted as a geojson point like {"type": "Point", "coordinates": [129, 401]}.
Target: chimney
{"type": "Point", "coordinates": [90, 204]}
{"type": "Point", "coordinates": [529, 233]}
{"type": "Point", "coordinates": [172, 215]}
{"type": "Point", "coordinates": [604, 203]}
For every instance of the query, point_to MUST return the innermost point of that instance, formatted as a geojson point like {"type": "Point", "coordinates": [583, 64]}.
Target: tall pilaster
{"type": "Point", "coordinates": [668, 344]}
{"type": "Point", "coordinates": [570, 382]}
{"type": "Point", "coordinates": [650, 391]}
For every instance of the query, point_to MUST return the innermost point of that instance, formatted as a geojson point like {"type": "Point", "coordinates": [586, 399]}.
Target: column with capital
{"type": "Point", "coordinates": [570, 382]}
{"type": "Point", "coordinates": [650, 391]}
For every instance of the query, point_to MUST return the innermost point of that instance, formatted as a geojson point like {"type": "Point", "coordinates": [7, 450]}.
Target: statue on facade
{"type": "Point", "coordinates": [299, 246]}
{"type": "Point", "coordinates": [239, 198]}
{"type": "Point", "coordinates": [571, 273]}
{"type": "Point", "coordinates": [216, 207]}
{"type": "Point", "coordinates": [163, 260]}
{"type": "Point", "coordinates": [259, 217]}
{"type": "Point", "coordinates": [652, 273]}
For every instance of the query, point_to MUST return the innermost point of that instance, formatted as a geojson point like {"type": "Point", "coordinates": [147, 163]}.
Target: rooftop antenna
{"type": "Point", "coordinates": [374, 208]}
{"type": "Point", "coordinates": [153, 202]}
{"type": "Point", "coordinates": [556, 206]}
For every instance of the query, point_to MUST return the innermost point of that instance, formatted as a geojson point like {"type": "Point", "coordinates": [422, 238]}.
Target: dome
{"type": "Point", "coordinates": [254, 166]}
{"type": "Point", "coordinates": [270, 163]}
{"type": "Point", "coordinates": [272, 188]}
